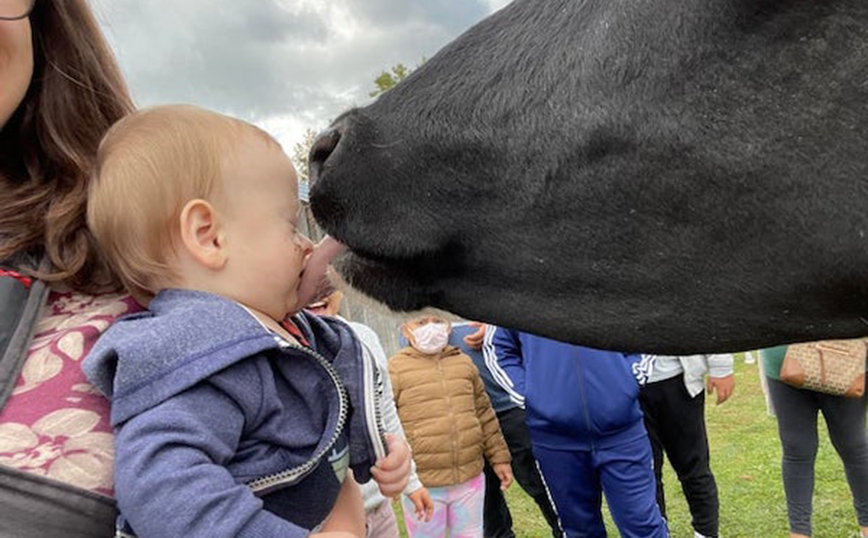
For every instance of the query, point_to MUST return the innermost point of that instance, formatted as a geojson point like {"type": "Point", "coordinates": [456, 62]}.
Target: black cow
{"type": "Point", "coordinates": [658, 175]}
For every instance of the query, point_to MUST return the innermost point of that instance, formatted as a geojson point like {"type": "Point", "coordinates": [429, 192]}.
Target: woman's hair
{"type": "Point", "coordinates": [47, 147]}
{"type": "Point", "coordinates": [148, 166]}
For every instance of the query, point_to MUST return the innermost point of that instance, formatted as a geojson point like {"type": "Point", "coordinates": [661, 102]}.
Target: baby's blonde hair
{"type": "Point", "coordinates": [148, 166]}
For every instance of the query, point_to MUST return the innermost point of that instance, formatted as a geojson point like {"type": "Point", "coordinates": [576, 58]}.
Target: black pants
{"type": "Point", "coordinates": [497, 521]}
{"type": "Point", "coordinates": [797, 411]}
{"type": "Point", "coordinates": [676, 425]}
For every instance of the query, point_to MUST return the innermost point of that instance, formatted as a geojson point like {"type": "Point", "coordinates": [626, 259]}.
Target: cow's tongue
{"type": "Point", "coordinates": [314, 272]}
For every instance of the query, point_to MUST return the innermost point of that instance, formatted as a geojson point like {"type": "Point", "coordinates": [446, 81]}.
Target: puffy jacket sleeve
{"type": "Point", "coordinates": [395, 380]}
{"type": "Point", "coordinates": [496, 450]}
{"type": "Point", "coordinates": [502, 351]}
{"type": "Point", "coordinates": [170, 478]}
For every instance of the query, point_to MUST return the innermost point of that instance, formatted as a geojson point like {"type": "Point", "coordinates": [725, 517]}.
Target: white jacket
{"type": "Point", "coordinates": [694, 367]}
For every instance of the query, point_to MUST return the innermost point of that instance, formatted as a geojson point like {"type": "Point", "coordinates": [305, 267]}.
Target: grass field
{"type": "Point", "coordinates": [745, 458]}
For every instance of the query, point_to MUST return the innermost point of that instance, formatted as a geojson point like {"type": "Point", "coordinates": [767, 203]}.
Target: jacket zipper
{"type": "Point", "coordinates": [583, 396]}
{"type": "Point", "coordinates": [294, 474]}
{"type": "Point", "coordinates": [455, 473]}
{"type": "Point", "coordinates": [373, 398]}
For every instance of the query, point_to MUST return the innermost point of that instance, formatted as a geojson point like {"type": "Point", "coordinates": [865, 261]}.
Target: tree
{"type": "Point", "coordinates": [388, 79]}
{"type": "Point", "coordinates": [300, 152]}
{"type": "Point", "coordinates": [384, 83]}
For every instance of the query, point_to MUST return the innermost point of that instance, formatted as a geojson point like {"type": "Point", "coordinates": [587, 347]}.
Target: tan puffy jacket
{"type": "Point", "coordinates": [446, 415]}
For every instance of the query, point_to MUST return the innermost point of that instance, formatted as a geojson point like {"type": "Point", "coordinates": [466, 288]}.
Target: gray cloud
{"type": "Point", "coordinates": [261, 59]}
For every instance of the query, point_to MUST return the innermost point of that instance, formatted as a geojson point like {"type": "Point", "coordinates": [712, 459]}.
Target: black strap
{"type": "Point", "coordinates": [20, 309]}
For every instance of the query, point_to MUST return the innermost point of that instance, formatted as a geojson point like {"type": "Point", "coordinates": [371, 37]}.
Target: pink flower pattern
{"type": "Point", "coordinates": [56, 424]}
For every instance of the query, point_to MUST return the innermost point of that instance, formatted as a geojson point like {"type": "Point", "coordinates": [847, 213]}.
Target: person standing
{"type": "Point", "coordinates": [497, 519]}
{"type": "Point", "coordinates": [796, 410]}
{"type": "Point", "coordinates": [586, 429]}
{"type": "Point", "coordinates": [673, 405]}
{"type": "Point", "coordinates": [380, 518]}
{"type": "Point", "coordinates": [451, 427]}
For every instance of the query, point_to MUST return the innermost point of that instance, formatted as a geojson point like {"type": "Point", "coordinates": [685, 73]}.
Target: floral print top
{"type": "Point", "coordinates": [55, 423]}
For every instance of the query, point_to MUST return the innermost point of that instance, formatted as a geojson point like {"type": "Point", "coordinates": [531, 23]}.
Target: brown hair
{"type": "Point", "coordinates": [47, 147]}
{"type": "Point", "coordinates": [148, 166]}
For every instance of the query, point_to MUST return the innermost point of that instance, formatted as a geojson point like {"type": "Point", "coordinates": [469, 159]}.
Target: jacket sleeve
{"type": "Point", "coordinates": [502, 351]}
{"type": "Point", "coordinates": [395, 381]}
{"type": "Point", "coordinates": [387, 403]}
{"type": "Point", "coordinates": [720, 365]}
{"type": "Point", "coordinates": [496, 450]}
{"type": "Point", "coordinates": [642, 366]}
{"type": "Point", "coordinates": [170, 478]}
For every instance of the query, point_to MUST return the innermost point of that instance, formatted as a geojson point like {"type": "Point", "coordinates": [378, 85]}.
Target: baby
{"type": "Point", "coordinates": [235, 414]}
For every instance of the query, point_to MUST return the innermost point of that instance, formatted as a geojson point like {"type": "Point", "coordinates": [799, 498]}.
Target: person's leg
{"type": "Point", "coordinates": [845, 418]}
{"type": "Point", "coordinates": [464, 516]}
{"type": "Point", "coordinates": [381, 522]}
{"type": "Point", "coordinates": [652, 398]}
{"type": "Point", "coordinates": [685, 441]}
{"type": "Point", "coordinates": [496, 519]}
{"type": "Point", "coordinates": [627, 477]}
{"type": "Point", "coordinates": [524, 468]}
{"type": "Point", "coordinates": [575, 489]}
{"type": "Point", "coordinates": [796, 410]}
{"type": "Point", "coordinates": [436, 528]}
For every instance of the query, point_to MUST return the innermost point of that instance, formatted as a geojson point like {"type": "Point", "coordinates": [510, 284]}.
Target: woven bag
{"type": "Point", "coordinates": [831, 366]}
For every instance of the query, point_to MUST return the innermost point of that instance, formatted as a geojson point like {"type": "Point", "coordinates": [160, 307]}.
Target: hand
{"type": "Point", "coordinates": [724, 385]}
{"type": "Point", "coordinates": [504, 473]}
{"type": "Point", "coordinates": [423, 503]}
{"type": "Point", "coordinates": [474, 341]}
{"type": "Point", "coordinates": [393, 472]}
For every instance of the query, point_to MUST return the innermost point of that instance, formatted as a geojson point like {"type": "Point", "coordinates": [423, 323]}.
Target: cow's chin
{"type": "Point", "coordinates": [388, 282]}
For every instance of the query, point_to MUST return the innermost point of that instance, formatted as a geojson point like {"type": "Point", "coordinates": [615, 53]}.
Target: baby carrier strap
{"type": "Point", "coordinates": [21, 303]}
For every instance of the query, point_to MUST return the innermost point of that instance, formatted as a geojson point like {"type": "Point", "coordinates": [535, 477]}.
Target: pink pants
{"type": "Point", "coordinates": [457, 511]}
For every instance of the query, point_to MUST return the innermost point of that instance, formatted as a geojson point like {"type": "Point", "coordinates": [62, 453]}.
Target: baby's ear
{"type": "Point", "coordinates": [201, 234]}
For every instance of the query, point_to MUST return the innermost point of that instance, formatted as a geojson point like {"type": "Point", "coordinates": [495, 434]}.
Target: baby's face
{"type": "Point", "coordinates": [266, 252]}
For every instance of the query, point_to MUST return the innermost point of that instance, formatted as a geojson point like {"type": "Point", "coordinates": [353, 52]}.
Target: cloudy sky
{"type": "Point", "coordinates": [286, 65]}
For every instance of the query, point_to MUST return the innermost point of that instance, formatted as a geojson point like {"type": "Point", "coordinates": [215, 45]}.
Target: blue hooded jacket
{"type": "Point", "coordinates": [576, 398]}
{"type": "Point", "coordinates": [224, 429]}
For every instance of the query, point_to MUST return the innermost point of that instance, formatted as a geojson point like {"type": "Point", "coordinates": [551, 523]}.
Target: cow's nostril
{"type": "Point", "coordinates": [322, 147]}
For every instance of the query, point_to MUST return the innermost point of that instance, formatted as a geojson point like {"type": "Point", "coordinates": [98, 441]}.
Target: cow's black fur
{"type": "Point", "coordinates": [656, 175]}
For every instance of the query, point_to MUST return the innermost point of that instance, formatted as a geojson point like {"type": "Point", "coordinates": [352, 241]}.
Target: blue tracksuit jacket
{"type": "Point", "coordinates": [576, 398]}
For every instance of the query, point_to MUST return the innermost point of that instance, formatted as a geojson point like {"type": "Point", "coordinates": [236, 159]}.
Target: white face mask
{"type": "Point", "coordinates": [431, 338]}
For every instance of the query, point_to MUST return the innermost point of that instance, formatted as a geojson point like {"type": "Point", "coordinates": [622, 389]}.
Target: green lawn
{"type": "Point", "coordinates": [745, 455]}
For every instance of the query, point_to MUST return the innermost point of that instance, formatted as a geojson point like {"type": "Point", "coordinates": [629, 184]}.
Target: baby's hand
{"type": "Point", "coordinates": [393, 472]}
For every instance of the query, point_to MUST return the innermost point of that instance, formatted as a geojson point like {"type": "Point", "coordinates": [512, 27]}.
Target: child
{"type": "Point", "coordinates": [227, 423]}
{"type": "Point", "coordinates": [380, 518]}
{"type": "Point", "coordinates": [450, 424]}
{"type": "Point", "coordinates": [673, 408]}
{"type": "Point", "coordinates": [586, 429]}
